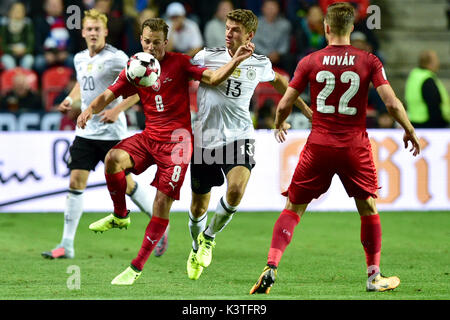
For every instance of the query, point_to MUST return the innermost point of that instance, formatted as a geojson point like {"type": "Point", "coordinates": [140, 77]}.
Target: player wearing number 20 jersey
{"type": "Point", "coordinates": [95, 74]}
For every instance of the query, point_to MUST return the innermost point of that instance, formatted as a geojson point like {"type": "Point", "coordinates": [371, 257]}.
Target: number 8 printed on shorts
{"type": "Point", "coordinates": [176, 173]}
{"type": "Point", "coordinates": [175, 176]}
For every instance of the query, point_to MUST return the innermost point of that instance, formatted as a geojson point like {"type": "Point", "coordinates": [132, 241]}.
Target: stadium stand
{"type": "Point", "coordinates": [54, 80]}
{"type": "Point", "coordinates": [6, 79]}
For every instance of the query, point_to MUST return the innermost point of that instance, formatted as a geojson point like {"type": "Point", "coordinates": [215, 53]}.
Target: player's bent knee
{"type": "Point", "coordinates": [235, 192]}
{"type": "Point", "coordinates": [198, 210]}
{"type": "Point", "coordinates": [116, 160]}
{"type": "Point", "coordinates": [366, 207]}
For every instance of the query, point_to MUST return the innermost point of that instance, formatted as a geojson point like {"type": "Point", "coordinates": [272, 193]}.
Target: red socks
{"type": "Point", "coordinates": [282, 235]}
{"type": "Point", "coordinates": [155, 230]}
{"type": "Point", "coordinates": [371, 241]}
{"type": "Point", "coordinates": [117, 186]}
{"type": "Point", "coordinates": [288, 220]}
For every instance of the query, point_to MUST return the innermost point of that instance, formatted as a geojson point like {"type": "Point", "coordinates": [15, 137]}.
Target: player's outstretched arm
{"type": "Point", "coordinates": [284, 109]}
{"type": "Point", "coordinates": [74, 96]}
{"type": "Point", "coordinates": [280, 84]}
{"type": "Point", "coordinates": [397, 111]}
{"type": "Point", "coordinates": [111, 115]}
{"type": "Point", "coordinates": [216, 77]}
{"type": "Point", "coordinates": [96, 106]}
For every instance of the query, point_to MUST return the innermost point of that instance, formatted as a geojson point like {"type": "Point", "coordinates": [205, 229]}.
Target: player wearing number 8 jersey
{"type": "Point", "coordinates": [339, 77]}
{"type": "Point", "coordinates": [166, 140]}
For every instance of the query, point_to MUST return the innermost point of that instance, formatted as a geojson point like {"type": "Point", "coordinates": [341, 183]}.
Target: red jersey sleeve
{"type": "Point", "coordinates": [301, 75]}
{"type": "Point", "coordinates": [195, 71]}
{"type": "Point", "coordinates": [378, 73]}
{"type": "Point", "coordinates": [122, 87]}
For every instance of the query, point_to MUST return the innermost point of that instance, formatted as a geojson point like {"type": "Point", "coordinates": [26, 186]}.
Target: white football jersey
{"type": "Point", "coordinates": [95, 74]}
{"type": "Point", "coordinates": [223, 111]}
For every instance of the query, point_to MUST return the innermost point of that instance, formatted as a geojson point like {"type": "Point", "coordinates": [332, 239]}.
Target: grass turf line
{"type": "Point", "coordinates": [325, 259]}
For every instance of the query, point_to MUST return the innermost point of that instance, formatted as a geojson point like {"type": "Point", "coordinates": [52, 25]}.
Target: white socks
{"type": "Point", "coordinates": [196, 226]}
{"type": "Point", "coordinates": [224, 214]}
{"type": "Point", "coordinates": [142, 200]}
{"type": "Point", "coordinates": [72, 215]}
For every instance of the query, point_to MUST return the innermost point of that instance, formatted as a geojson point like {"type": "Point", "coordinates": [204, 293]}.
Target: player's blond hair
{"type": "Point", "coordinates": [340, 17]}
{"type": "Point", "coordinates": [94, 14]}
{"type": "Point", "coordinates": [245, 17]}
{"type": "Point", "coordinates": [156, 24]}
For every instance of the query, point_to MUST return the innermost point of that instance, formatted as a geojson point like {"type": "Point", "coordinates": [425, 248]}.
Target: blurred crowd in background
{"type": "Point", "coordinates": [37, 49]}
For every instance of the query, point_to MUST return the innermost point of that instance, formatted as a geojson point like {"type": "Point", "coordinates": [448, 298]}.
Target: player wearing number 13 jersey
{"type": "Point", "coordinates": [166, 140]}
{"type": "Point", "coordinates": [339, 76]}
{"type": "Point", "coordinates": [224, 135]}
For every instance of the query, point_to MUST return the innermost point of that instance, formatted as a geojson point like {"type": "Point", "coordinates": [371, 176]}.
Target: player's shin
{"type": "Point", "coordinates": [223, 215]}
{"type": "Point", "coordinates": [72, 215]}
{"type": "Point", "coordinates": [117, 186]}
{"type": "Point", "coordinates": [141, 199]}
{"type": "Point", "coordinates": [196, 225]}
{"type": "Point", "coordinates": [283, 231]}
{"type": "Point", "coordinates": [371, 241]}
{"type": "Point", "coordinates": [153, 233]}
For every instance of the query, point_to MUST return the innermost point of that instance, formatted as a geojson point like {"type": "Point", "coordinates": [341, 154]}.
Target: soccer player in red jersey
{"type": "Point", "coordinates": [166, 140]}
{"type": "Point", "coordinates": [339, 77]}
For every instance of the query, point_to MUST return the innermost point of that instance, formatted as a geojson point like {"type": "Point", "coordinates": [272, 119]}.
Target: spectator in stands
{"type": "Point", "coordinates": [265, 115]}
{"type": "Point", "coordinates": [21, 98]}
{"type": "Point", "coordinates": [69, 118]}
{"type": "Point", "coordinates": [361, 6]}
{"type": "Point", "coordinates": [117, 24]}
{"type": "Point", "coordinates": [134, 29]}
{"type": "Point", "coordinates": [54, 44]}
{"type": "Point", "coordinates": [376, 110]}
{"type": "Point", "coordinates": [296, 10]}
{"type": "Point", "coordinates": [273, 36]}
{"type": "Point", "coordinates": [184, 34]}
{"type": "Point", "coordinates": [360, 25]}
{"type": "Point", "coordinates": [427, 99]}
{"type": "Point", "coordinates": [17, 38]}
{"type": "Point", "coordinates": [310, 36]}
{"type": "Point", "coordinates": [215, 28]}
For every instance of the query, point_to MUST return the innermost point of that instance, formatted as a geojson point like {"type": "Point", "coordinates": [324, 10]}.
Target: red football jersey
{"type": "Point", "coordinates": [339, 78]}
{"type": "Point", "coordinates": [166, 103]}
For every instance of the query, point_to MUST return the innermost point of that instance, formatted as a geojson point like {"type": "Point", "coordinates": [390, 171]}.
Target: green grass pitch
{"type": "Point", "coordinates": [325, 259]}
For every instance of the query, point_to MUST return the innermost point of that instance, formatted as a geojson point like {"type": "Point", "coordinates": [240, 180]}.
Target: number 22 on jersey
{"type": "Point", "coordinates": [330, 82]}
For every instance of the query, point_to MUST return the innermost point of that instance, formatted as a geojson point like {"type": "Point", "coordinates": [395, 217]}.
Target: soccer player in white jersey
{"type": "Point", "coordinates": [224, 135]}
{"type": "Point", "coordinates": [96, 67]}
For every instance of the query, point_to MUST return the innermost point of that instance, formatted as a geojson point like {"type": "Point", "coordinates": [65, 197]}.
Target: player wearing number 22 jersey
{"type": "Point", "coordinates": [339, 77]}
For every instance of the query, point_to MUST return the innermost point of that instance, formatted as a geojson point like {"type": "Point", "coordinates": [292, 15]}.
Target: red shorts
{"type": "Point", "coordinates": [318, 164]}
{"type": "Point", "coordinates": [172, 160]}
